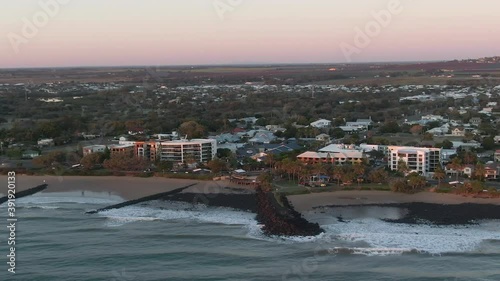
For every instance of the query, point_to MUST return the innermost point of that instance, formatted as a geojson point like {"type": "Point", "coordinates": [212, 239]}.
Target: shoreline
{"type": "Point", "coordinates": [130, 188]}
{"type": "Point", "coordinates": [309, 202]}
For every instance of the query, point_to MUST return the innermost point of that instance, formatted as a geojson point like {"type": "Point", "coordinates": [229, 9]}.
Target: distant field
{"type": "Point", "coordinates": [320, 73]}
{"type": "Point", "coordinates": [425, 80]}
{"type": "Point", "coordinates": [232, 69]}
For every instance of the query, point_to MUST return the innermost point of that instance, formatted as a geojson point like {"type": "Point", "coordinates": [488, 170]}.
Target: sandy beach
{"type": "Point", "coordinates": [126, 187]}
{"type": "Point", "coordinates": [133, 188]}
{"type": "Point", "coordinates": [307, 202]}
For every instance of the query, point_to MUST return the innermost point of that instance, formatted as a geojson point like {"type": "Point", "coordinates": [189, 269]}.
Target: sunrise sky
{"type": "Point", "coordinates": [174, 32]}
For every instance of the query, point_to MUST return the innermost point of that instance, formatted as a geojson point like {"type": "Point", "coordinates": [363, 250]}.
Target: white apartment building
{"type": "Point", "coordinates": [418, 159]}
{"type": "Point", "coordinates": [181, 151]}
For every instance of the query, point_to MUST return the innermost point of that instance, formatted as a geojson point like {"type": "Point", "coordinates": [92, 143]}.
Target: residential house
{"type": "Point", "coordinates": [45, 142]}
{"type": "Point", "coordinates": [475, 121]}
{"type": "Point", "coordinates": [275, 128]}
{"type": "Point", "coordinates": [439, 131]}
{"type": "Point", "coordinates": [458, 132]}
{"type": "Point", "coordinates": [261, 136]}
{"type": "Point", "coordinates": [467, 170]}
{"type": "Point", "coordinates": [350, 129]}
{"type": "Point", "coordinates": [323, 138]}
{"type": "Point", "coordinates": [492, 171]}
{"type": "Point", "coordinates": [321, 124]}
{"type": "Point", "coordinates": [497, 156]}
{"type": "Point", "coordinates": [30, 154]}
{"type": "Point", "coordinates": [93, 149]}
{"type": "Point", "coordinates": [362, 124]}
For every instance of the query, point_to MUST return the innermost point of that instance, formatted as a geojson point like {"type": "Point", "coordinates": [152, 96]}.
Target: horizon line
{"type": "Point", "coordinates": [224, 64]}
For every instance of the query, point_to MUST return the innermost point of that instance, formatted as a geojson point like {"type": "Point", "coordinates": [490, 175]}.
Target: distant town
{"type": "Point", "coordinates": [443, 132]}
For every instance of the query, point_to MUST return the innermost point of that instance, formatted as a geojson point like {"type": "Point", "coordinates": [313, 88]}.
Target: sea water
{"type": "Point", "coordinates": [56, 240]}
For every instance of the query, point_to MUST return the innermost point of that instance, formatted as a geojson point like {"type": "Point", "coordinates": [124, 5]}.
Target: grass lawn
{"type": "Point", "coordinates": [292, 188]}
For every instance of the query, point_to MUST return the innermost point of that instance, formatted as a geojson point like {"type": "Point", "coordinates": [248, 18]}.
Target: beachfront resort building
{"type": "Point", "coordinates": [335, 153]}
{"type": "Point", "coordinates": [121, 149]}
{"type": "Point", "coordinates": [422, 160]}
{"type": "Point", "coordinates": [147, 150]}
{"type": "Point", "coordinates": [177, 151]}
{"type": "Point", "coordinates": [183, 151]}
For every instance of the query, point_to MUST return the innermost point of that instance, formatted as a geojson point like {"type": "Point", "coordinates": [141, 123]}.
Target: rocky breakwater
{"type": "Point", "coordinates": [280, 218]}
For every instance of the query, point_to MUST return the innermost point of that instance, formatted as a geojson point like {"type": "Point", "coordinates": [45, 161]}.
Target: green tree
{"type": "Point", "coordinates": [192, 130]}
{"type": "Point", "coordinates": [359, 171]}
{"type": "Point", "coordinates": [337, 133]}
{"type": "Point", "coordinates": [488, 143]}
{"type": "Point", "coordinates": [224, 153]}
{"type": "Point", "coordinates": [125, 162]}
{"type": "Point", "coordinates": [49, 159]}
{"type": "Point", "coordinates": [480, 172]}
{"type": "Point", "coordinates": [216, 165]}
{"type": "Point", "coordinates": [14, 153]}
{"type": "Point", "coordinates": [416, 129]}
{"type": "Point", "coordinates": [402, 166]}
{"type": "Point", "coordinates": [446, 144]}
{"type": "Point", "coordinates": [164, 165]}
{"type": "Point", "coordinates": [378, 176]}
{"type": "Point", "coordinates": [456, 165]}
{"type": "Point", "coordinates": [416, 182]}
{"type": "Point", "coordinates": [427, 137]}
{"type": "Point", "coordinates": [390, 127]}
{"type": "Point", "coordinates": [89, 161]}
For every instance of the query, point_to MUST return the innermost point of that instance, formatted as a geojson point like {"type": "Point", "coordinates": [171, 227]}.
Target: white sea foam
{"type": "Point", "coordinates": [359, 236]}
{"type": "Point", "coordinates": [43, 207]}
{"type": "Point", "coordinates": [424, 238]}
{"type": "Point", "coordinates": [226, 216]}
{"type": "Point", "coordinates": [370, 251]}
{"type": "Point", "coordinates": [65, 197]}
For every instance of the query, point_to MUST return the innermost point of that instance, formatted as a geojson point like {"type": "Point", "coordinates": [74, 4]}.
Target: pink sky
{"type": "Point", "coordinates": [157, 32]}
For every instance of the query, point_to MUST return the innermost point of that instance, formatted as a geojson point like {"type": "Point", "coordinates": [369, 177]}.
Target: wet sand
{"type": "Point", "coordinates": [307, 202]}
{"type": "Point", "coordinates": [126, 187]}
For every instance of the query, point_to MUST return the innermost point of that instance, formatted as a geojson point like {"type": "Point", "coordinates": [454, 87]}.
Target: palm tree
{"type": "Point", "coordinates": [480, 171]}
{"type": "Point", "coordinates": [359, 170]}
{"type": "Point", "coordinates": [469, 157]}
{"type": "Point", "coordinates": [439, 174]}
{"type": "Point", "coordinates": [402, 166]}
{"type": "Point", "coordinates": [337, 173]}
{"type": "Point", "coordinates": [347, 174]}
{"type": "Point", "coordinates": [416, 182]}
{"type": "Point", "coordinates": [456, 164]}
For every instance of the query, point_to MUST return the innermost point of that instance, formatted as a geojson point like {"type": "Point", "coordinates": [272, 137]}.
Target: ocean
{"type": "Point", "coordinates": [56, 240]}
